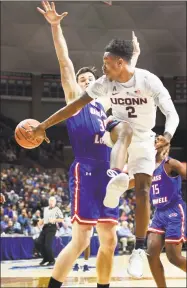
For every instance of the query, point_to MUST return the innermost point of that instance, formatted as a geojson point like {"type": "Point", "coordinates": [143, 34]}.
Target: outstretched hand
{"type": "Point", "coordinates": [37, 132]}
{"type": "Point", "coordinates": [50, 13]}
{"type": "Point", "coordinates": [136, 44]}
{"type": "Point", "coordinates": [161, 142]}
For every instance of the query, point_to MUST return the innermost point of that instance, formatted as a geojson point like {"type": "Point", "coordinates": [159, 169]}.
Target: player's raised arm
{"type": "Point", "coordinates": [163, 101]}
{"type": "Point", "coordinates": [178, 167]}
{"type": "Point", "coordinates": [136, 52]}
{"type": "Point", "coordinates": [68, 78]}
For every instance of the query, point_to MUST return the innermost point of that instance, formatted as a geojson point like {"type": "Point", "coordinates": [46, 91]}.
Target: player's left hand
{"type": "Point", "coordinates": [50, 13]}
{"type": "Point", "coordinates": [161, 142]}
{"type": "Point", "coordinates": [37, 132]}
{"type": "Point", "coordinates": [136, 44]}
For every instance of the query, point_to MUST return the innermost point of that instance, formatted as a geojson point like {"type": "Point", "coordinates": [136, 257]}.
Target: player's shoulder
{"type": "Point", "coordinates": [152, 83]}
{"type": "Point", "coordinates": [172, 161]}
{"type": "Point", "coordinates": [102, 80]}
{"type": "Point", "coordinates": [146, 74]}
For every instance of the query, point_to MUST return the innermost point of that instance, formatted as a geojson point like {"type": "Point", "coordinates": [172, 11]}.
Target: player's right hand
{"type": "Point", "coordinates": [50, 13]}
{"type": "Point", "coordinates": [37, 132]}
{"type": "Point", "coordinates": [136, 44]}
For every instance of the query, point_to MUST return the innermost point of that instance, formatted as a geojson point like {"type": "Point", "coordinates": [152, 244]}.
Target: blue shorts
{"type": "Point", "coordinates": [171, 222]}
{"type": "Point", "coordinates": [87, 184]}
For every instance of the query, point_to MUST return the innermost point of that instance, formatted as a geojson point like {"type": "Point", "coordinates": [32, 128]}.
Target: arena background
{"type": "Point", "coordinates": [30, 85]}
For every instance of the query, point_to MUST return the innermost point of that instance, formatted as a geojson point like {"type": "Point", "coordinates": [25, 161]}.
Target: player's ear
{"type": "Point", "coordinates": [120, 62]}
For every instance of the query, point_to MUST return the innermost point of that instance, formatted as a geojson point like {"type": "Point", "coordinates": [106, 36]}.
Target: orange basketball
{"type": "Point", "coordinates": [21, 134]}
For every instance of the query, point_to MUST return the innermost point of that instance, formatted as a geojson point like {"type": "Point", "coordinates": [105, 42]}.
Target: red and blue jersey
{"type": "Point", "coordinates": [165, 190]}
{"type": "Point", "coordinates": [86, 129]}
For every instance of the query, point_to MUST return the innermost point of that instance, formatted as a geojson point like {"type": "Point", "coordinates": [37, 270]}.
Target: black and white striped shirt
{"type": "Point", "coordinates": [54, 213]}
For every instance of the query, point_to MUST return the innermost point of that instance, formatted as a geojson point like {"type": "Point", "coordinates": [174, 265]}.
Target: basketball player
{"type": "Point", "coordinates": [88, 178]}
{"type": "Point", "coordinates": [169, 220]}
{"type": "Point", "coordinates": [135, 95]}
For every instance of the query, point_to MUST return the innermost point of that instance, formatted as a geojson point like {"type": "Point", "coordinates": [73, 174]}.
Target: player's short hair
{"type": "Point", "coordinates": [122, 48]}
{"type": "Point", "coordinates": [85, 70]}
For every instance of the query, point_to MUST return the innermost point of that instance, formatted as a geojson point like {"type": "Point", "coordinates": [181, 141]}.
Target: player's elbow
{"type": "Point", "coordinates": [175, 117]}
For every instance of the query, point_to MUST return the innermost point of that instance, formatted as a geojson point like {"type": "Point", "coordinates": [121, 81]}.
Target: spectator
{"type": "Point", "coordinates": [10, 228]}
{"type": "Point", "coordinates": [35, 195]}
{"type": "Point", "coordinates": [58, 195]}
{"type": "Point", "coordinates": [35, 233]}
{"type": "Point", "coordinates": [13, 197]}
{"type": "Point", "coordinates": [4, 223]}
{"type": "Point", "coordinates": [125, 207]}
{"type": "Point", "coordinates": [24, 221]}
{"type": "Point", "coordinates": [131, 227]}
{"type": "Point", "coordinates": [1, 212]}
{"type": "Point", "coordinates": [8, 211]}
{"type": "Point", "coordinates": [29, 215]}
{"type": "Point", "coordinates": [16, 225]}
{"type": "Point", "coordinates": [37, 215]}
{"type": "Point", "coordinates": [125, 236]}
{"type": "Point", "coordinates": [14, 210]}
{"type": "Point", "coordinates": [44, 201]}
{"type": "Point", "coordinates": [123, 216]}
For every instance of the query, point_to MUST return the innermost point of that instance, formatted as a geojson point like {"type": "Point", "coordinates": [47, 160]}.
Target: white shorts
{"type": "Point", "coordinates": [141, 154]}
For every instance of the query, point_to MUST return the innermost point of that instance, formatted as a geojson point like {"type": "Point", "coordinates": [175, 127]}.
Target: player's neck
{"type": "Point", "coordinates": [158, 161]}
{"type": "Point", "coordinates": [126, 75]}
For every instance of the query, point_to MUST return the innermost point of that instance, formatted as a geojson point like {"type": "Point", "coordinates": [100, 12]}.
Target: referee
{"type": "Point", "coordinates": [52, 215]}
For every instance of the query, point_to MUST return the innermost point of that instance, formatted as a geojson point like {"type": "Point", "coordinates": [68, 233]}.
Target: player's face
{"type": "Point", "coordinates": [112, 66]}
{"type": "Point", "coordinates": [85, 79]}
{"type": "Point", "coordinates": [162, 153]}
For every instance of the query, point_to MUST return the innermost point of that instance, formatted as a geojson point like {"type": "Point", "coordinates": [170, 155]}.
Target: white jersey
{"type": "Point", "coordinates": [136, 101]}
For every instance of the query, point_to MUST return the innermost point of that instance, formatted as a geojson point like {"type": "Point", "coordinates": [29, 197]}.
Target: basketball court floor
{"type": "Point", "coordinates": [28, 273]}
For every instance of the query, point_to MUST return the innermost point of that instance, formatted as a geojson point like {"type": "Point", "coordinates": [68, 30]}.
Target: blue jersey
{"type": "Point", "coordinates": [165, 190]}
{"type": "Point", "coordinates": [86, 129]}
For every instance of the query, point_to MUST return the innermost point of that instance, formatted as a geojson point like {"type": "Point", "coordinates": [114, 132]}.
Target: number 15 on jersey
{"type": "Point", "coordinates": [155, 189]}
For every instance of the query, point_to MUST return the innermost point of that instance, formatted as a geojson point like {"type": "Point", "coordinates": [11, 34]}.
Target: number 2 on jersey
{"type": "Point", "coordinates": [131, 111]}
{"type": "Point", "coordinates": [155, 189]}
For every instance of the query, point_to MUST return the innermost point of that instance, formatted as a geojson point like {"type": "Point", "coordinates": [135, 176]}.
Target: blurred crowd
{"type": "Point", "coordinates": [26, 193]}
{"type": "Point", "coordinates": [10, 151]}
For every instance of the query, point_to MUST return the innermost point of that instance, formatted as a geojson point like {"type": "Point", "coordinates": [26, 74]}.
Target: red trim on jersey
{"type": "Point", "coordinates": [77, 188]}
{"type": "Point", "coordinates": [76, 217]}
{"type": "Point", "coordinates": [156, 230]}
{"type": "Point", "coordinates": [183, 220]}
{"type": "Point", "coordinates": [107, 220]}
{"type": "Point", "coordinates": [182, 238]}
{"type": "Point", "coordinates": [175, 241]}
{"type": "Point", "coordinates": [80, 220]}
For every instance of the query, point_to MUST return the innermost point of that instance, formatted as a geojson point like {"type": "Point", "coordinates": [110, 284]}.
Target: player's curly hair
{"type": "Point", "coordinates": [85, 70]}
{"type": "Point", "coordinates": [121, 48]}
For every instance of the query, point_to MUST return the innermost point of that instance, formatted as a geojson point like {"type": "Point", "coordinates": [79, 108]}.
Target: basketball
{"type": "Point", "coordinates": [21, 134]}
